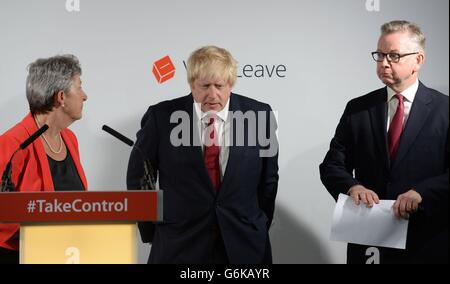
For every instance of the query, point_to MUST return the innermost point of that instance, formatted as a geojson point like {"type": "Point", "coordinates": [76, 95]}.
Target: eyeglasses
{"type": "Point", "coordinates": [391, 57]}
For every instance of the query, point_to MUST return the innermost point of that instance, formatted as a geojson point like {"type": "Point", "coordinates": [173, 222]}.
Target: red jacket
{"type": "Point", "coordinates": [30, 168]}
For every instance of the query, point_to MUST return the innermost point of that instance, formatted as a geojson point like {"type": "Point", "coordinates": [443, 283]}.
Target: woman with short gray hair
{"type": "Point", "coordinates": [51, 162]}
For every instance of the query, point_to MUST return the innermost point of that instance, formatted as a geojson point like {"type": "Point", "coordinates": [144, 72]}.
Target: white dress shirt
{"type": "Point", "coordinates": [408, 95]}
{"type": "Point", "coordinates": [222, 126]}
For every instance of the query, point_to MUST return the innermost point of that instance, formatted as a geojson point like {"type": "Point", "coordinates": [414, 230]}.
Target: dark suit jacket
{"type": "Point", "coordinates": [360, 145]}
{"type": "Point", "coordinates": [243, 208]}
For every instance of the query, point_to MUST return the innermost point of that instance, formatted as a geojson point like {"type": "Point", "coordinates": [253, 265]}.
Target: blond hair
{"type": "Point", "coordinates": [211, 62]}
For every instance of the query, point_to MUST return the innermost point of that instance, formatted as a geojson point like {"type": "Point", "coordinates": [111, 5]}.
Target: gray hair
{"type": "Point", "coordinates": [47, 77]}
{"type": "Point", "coordinates": [414, 31]}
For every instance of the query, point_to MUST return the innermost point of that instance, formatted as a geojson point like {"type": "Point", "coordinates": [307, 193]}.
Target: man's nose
{"type": "Point", "coordinates": [212, 91]}
{"type": "Point", "coordinates": [385, 62]}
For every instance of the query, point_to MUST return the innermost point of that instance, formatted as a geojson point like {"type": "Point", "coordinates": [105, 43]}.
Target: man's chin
{"type": "Point", "coordinates": [387, 81]}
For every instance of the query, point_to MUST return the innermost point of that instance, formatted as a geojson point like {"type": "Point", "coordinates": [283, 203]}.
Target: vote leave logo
{"type": "Point", "coordinates": [163, 69]}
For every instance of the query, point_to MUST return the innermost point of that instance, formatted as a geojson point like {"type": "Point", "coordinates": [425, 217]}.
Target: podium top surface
{"type": "Point", "coordinates": [91, 206]}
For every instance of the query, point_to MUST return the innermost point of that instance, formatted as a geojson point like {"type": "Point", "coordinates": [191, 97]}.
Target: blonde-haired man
{"type": "Point", "coordinates": [219, 194]}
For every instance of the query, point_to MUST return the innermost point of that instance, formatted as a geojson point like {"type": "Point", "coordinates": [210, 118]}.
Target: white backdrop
{"type": "Point", "coordinates": [324, 45]}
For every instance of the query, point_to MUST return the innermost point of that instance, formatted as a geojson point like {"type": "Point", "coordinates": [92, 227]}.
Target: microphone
{"type": "Point", "coordinates": [148, 180]}
{"type": "Point", "coordinates": [33, 137]}
{"type": "Point", "coordinates": [7, 184]}
{"type": "Point", "coordinates": [119, 136]}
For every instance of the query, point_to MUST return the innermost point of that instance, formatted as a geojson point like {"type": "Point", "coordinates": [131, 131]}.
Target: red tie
{"type": "Point", "coordinates": [211, 153]}
{"type": "Point", "coordinates": [396, 128]}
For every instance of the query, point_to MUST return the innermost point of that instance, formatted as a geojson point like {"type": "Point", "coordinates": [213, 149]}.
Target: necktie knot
{"type": "Point", "coordinates": [210, 130]}
{"type": "Point", "coordinates": [210, 119]}
{"type": "Point", "coordinates": [399, 98]}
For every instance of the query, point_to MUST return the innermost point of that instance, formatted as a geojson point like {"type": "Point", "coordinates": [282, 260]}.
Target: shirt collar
{"type": "Point", "coordinates": [223, 114]}
{"type": "Point", "coordinates": [408, 94]}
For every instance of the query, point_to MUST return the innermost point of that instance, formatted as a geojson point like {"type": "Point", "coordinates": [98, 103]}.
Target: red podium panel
{"type": "Point", "coordinates": [25, 207]}
{"type": "Point", "coordinates": [80, 227]}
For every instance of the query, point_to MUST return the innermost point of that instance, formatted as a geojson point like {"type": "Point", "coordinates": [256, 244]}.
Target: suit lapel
{"type": "Point", "coordinates": [31, 127]}
{"type": "Point", "coordinates": [418, 115]}
{"type": "Point", "coordinates": [378, 118]}
{"type": "Point", "coordinates": [234, 151]}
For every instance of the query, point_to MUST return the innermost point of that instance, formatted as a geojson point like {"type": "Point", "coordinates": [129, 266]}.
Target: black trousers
{"type": "Point", "coordinates": [8, 256]}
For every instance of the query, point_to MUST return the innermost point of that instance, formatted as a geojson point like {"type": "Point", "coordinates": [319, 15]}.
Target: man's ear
{"type": "Point", "coordinates": [420, 60]}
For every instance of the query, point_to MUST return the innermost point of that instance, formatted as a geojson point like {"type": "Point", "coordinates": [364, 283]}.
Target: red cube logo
{"type": "Point", "coordinates": [163, 69]}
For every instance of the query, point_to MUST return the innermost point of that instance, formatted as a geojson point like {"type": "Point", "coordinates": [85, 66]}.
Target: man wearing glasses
{"type": "Point", "coordinates": [393, 144]}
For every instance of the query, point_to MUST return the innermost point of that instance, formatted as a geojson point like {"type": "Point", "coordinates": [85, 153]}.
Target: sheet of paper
{"type": "Point", "coordinates": [376, 226]}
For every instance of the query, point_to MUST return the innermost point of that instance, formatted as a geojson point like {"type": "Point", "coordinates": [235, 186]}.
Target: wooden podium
{"type": "Point", "coordinates": [80, 227]}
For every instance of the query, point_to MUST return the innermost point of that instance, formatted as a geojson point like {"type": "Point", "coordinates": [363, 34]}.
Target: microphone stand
{"type": "Point", "coordinates": [7, 184]}
{"type": "Point", "coordinates": [147, 181]}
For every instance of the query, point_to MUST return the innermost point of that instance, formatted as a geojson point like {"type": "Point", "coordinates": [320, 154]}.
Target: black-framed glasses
{"type": "Point", "coordinates": [391, 57]}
